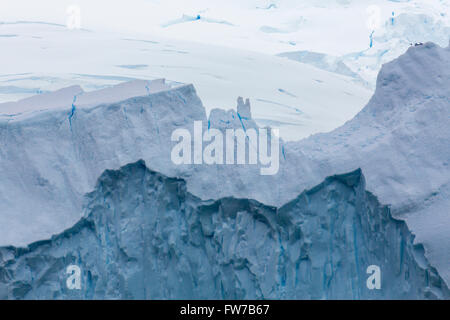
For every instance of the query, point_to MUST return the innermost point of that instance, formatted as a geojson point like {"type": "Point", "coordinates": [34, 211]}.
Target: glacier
{"type": "Point", "coordinates": [218, 74]}
{"type": "Point", "coordinates": [144, 236]}
{"type": "Point", "coordinates": [389, 41]}
{"type": "Point", "coordinates": [52, 155]}
{"type": "Point", "coordinates": [231, 56]}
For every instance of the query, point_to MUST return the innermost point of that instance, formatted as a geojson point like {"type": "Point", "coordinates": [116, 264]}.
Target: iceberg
{"type": "Point", "coordinates": [144, 236]}
{"type": "Point", "coordinates": [52, 155]}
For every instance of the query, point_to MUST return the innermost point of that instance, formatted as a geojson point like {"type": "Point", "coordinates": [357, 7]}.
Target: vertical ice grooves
{"type": "Point", "coordinates": [145, 237]}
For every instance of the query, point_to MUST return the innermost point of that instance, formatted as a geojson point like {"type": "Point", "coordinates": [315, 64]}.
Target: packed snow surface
{"type": "Point", "coordinates": [298, 98]}
{"type": "Point", "coordinates": [225, 48]}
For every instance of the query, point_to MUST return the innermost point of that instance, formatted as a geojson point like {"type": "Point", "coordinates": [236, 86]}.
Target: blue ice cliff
{"type": "Point", "coordinates": [144, 236]}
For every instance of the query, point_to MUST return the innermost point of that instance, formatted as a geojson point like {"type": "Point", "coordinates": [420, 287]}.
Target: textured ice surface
{"type": "Point", "coordinates": [50, 159]}
{"type": "Point", "coordinates": [145, 237]}
{"type": "Point", "coordinates": [119, 42]}
{"type": "Point", "coordinates": [68, 148]}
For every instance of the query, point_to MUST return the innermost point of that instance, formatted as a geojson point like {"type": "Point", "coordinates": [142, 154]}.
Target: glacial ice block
{"type": "Point", "coordinates": [145, 237]}
{"type": "Point", "coordinates": [50, 159]}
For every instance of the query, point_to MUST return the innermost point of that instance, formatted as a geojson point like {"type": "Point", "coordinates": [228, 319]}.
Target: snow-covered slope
{"type": "Point", "coordinates": [224, 48]}
{"type": "Point", "coordinates": [145, 237]}
{"type": "Point", "coordinates": [299, 99]}
{"type": "Point", "coordinates": [50, 159]}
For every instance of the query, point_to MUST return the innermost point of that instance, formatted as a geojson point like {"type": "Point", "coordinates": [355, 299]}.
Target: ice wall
{"type": "Point", "coordinates": [145, 237]}
{"type": "Point", "coordinates": [50, 156]}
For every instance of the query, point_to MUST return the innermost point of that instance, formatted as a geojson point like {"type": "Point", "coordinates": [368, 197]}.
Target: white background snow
{"type": "Point", "coordinates": [225, 48]}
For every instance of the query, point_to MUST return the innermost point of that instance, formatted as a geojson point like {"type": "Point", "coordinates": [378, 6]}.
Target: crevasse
{"type": "Point", "coordinates": [144, 236]}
